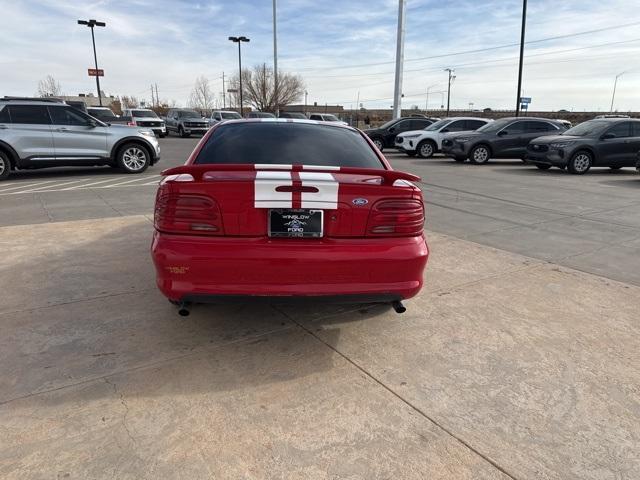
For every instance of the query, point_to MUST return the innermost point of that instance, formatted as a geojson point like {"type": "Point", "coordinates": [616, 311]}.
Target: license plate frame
{"type": "Point", "coordinates": [298, 220]}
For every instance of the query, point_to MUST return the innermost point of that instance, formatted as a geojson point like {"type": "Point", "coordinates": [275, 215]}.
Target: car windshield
{"type": "Point", "coordinates": [144, 114]}
{"type": "Point", "coordinates": [102, 114]}
{"type": "Point", "coordinates": [288, 143]}
{"type": "Point", "coordinates": [331, 118]}
{"type": "Point", "coordinates": [495, 126]}
{"type": "Point", "coordinates": [586, 129]}
{"type": "Point", "coordinates": [437, 125]}
{"type": "Point", "coordinates": [230, 115]}
{"type": "Point", "coordinates": [189, 114]}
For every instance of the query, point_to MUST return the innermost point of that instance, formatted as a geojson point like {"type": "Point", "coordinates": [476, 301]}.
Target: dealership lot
{"type": "Point", "coordinates": [515, 362]}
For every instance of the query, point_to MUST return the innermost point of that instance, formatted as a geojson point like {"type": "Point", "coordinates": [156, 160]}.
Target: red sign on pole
{"type": "Point", "coordinates": [96, 72]}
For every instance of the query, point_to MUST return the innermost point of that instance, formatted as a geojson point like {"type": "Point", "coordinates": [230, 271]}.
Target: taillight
{"type": "Point", "coordinates": [185, 213]}
{"type": "Point", "coordinates": [396, 218]}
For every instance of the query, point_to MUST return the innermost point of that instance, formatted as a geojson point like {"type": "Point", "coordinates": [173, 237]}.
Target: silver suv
{"type": "Point", "coordinates": [41, 133]}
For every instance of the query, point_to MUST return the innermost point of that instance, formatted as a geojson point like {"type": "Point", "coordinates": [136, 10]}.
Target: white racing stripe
{"type": "Point", "coordinates": [327, 195]}
{"type": "Point", "coordinates": [274, 166]}
{"type": "Point", "coordinates": [265, 195]}
{"type": "Point", "coordinates": [320, 167]}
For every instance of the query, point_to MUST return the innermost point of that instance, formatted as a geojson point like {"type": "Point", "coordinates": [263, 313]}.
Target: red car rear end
{"type": "Point", "coordinates": [288, 209]}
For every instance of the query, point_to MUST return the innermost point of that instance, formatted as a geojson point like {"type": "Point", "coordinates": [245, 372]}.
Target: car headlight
{"type": "Point", "coordinates": [561, 144]}
{"type": "Point", "coordinates": [462, 139]}
{"type": "Point", "coordinates": [148, 133]}
{"type": "Point", "coordinates": [413, 135]}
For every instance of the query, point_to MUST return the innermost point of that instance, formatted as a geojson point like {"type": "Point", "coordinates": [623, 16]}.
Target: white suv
{"type": "Point", "coordinates": [426, 142]}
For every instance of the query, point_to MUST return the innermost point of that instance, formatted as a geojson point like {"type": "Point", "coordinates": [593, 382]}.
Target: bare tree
{"type": "Point", "coordinates": [49, 87]}
{"type": "Point", "coordinates": [259, 88]}
{"type": "Point", "coordinates": [202, 97]}
{"type": "Point", "coordinates": [128, 102]}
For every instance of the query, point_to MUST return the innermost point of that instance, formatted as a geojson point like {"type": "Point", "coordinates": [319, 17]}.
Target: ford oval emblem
{"type": "Point", "coordinates": [359, 202]}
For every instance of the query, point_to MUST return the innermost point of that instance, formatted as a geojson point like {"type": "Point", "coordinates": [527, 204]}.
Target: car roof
{"type": "Point", "coordinates": [615, 119]}
{"type": "Point", "coordinates": [289, 120]}
{"type": "Point", "coordinates": [468, 118]}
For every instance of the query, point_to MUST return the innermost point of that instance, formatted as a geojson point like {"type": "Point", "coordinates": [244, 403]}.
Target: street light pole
{"type": "Point", "coordinates": [239, 41]}
{"type": "Point", "coordinates": [524, 23]}
{"type": "Point", "coordinates": [93, 23]}
{"type": "Point", "coordinates": [275, 60]}
{"type": "Point", "coordinates": [397, 91]}
{"type": "Point", "coordinates": [451, 77]}
{"type": "Point", "coordinates": [615, 83]}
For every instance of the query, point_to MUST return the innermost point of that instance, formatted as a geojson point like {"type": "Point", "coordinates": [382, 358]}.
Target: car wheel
{"type": "Point", "coordinates": [480, 155]}
{"type": "Point", "coordinates": [133, 158]}
{"type": "Point", "coordinates": [426, 149]}
{"type": "Point", "coordinates": [580, 163]}
{"type": "Point", "coordinates": [5, 166]}
{"type": "Point", "coordinates": [181, 132]}
{"type": "Point", "coordinates": [411, 153]}
{"type": "Point", "coordinates": [543, 167]}
{"type": "Point", "coordinates": [378, 143]}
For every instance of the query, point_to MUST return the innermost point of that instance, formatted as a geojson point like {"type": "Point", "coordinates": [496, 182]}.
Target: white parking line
{"type": "Point", "coordinates": [25, 186]}
{"type": "Point", "coordinates": [128, 181]}
{"type": "Point", "coordinates": [75, 187]}
{"type": "Point", "coordinates": [54, 186]}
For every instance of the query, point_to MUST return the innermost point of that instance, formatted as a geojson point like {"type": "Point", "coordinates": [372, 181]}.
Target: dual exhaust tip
{"type": "Point", "coordinates": [184, 308]}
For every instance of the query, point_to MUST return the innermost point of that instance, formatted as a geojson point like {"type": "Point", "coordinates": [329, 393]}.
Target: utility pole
{"type": "Point", "coordinates": [224, 94]}
{"type": "Point", "coordinates": [93, 23]}
{"type": "Point", "coordinates": [305, 101]}
{"type": "Point", "coordinates": [615, 83]}
{"type": "Point", "coordinates": [451, 77]}
{"type": "Point", "coordinates": [524, 22]}
{"type": "Point", "coordinates": [275, 60]}
{"type": "Point", "coordinates": [153, 99]}
{"type": "Point", "coordinates": [397, 91]}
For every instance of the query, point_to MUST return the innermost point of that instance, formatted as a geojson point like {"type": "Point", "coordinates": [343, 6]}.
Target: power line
{"type": "Point", "coordinates": [481, 50]}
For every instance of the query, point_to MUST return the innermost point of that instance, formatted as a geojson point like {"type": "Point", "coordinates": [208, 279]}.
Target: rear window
{"type": "Point", "coordinates": [288, 143]}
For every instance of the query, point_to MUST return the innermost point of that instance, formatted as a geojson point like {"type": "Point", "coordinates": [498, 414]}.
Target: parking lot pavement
{"type": "Point", "coordinates": [589, 222]}
{"type": "Point", "coordinates": [504, 367]}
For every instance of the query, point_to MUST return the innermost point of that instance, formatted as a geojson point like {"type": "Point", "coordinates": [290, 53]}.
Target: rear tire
{"type": "Point", "coordinates": [133, 158]}
{"type": "Point", "coordinates": [479, 155]}
{"type": "Point", "coordinates": [378, 143]}
{"type": "Point", "coordinates": [580, 163]}
{"type": "Point", "coordinates": [5, 166]}
{"type": "Point", "coordinates": [543, 167]}
{"type": "Point", "coordinates": [426, 149]}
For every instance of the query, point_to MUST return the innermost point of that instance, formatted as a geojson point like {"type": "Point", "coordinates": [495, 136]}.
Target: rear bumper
{"type": "Point", "coordinates": [205, 269]}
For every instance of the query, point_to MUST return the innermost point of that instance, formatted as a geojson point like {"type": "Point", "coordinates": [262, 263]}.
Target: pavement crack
{"type": "Point", "coordinates": [407, 402]}
{"type": "Point", "coordinates": [126, 408]}
{"type": "Point", "coordinates": [44, 207]}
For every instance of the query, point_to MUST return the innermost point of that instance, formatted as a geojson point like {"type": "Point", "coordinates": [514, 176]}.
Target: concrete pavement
{"type": "Point", "coordinates": [504, 367]}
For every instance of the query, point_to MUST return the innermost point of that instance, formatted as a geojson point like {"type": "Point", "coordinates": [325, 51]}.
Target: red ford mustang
{"type": "Point", "coordinates": [288, 209]}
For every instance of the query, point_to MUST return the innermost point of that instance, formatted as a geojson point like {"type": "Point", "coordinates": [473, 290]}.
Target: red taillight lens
{"type": "Point", "coordinates": [396, 218]}
{"type": "Point", "coordinates": [185, 213]}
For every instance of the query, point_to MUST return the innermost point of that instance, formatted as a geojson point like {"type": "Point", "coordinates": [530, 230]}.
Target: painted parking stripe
{"type": "Point", "coordinates": [55, 186]}
{"type": "Point", "coordinates": [130, 181]}
{"type": "Point", "coordinates": [19, 186]}
{"type": "Point", "coordinates": [76, 187]}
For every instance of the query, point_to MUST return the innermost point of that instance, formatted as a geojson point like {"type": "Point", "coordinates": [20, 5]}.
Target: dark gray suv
{"type": "Point", "coordinates": [607, 142]}
{"type": "Point", "coordinates": [39, 133]}
{"type": "Point", "coordinates": [504, 138]}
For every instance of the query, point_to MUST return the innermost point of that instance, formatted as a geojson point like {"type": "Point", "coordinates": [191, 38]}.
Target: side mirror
{"type": "Point", "coordinates": [392, 129]}
{"type": "Point", "coordinates": [608, 136]}
{"type": "Point", "coordinates": [92, 124]}
{"type": "Point", "coordinates": [444, 130]}
{"type": "Point", "coordinates": [502, 133]}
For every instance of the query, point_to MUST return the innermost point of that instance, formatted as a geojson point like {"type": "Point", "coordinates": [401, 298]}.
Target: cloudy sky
{"type": "Point", "coordinates": [343, 49]}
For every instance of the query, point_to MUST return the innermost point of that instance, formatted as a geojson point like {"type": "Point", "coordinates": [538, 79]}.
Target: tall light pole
{"type": "Point", "coordinates": [91, 24]}
{"type": "Point", "coordinates": [397, 91]}
{"type": "Point", "coordinates": [275, 59]}
{"type": "Point", "coordinates": [524, 22]}
{"type": "Point", "coordinates": [451, 77]}
{"type": "Point", "coordinates": [426, 103]}
{"type": "Point", "coordinates": [239, 41]}
{"type": "Point", "coordinates": [615, 83]}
